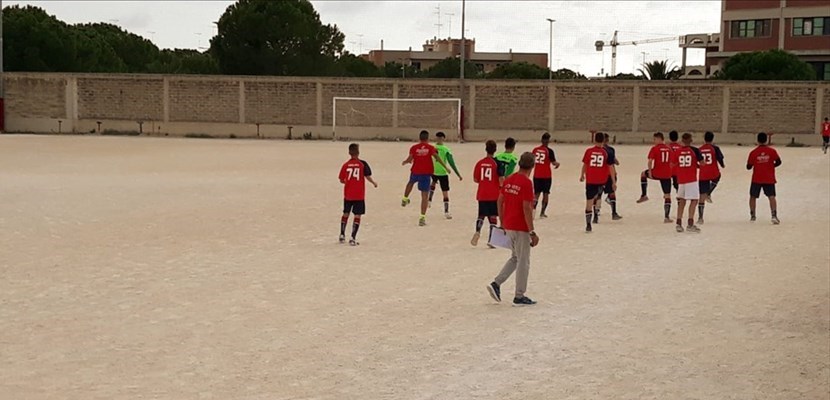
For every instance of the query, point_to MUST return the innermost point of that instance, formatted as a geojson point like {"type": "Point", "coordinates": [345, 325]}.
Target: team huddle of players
{"type": "Point", "coordinates": [693, 172]}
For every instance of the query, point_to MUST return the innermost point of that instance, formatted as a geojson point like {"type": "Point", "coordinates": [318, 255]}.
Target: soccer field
{"type": "Point", "coordinates": [210, 269]}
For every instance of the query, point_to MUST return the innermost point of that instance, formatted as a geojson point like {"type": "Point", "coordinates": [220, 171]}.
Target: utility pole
{"type": "Point", "coordinates": [461, 73]}
{"type": "Point", "coordinates": [550, 51]}
{"type": "Point", "coordinates": [2, 76]}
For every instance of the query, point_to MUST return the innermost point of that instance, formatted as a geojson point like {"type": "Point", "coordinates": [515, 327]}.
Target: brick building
{"type": "Point", "coordinates": [435, 50]}
{"type": "Point", "coordinates": [801, 27]}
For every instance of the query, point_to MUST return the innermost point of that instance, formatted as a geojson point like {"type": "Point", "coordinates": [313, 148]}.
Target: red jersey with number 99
{"type": "Point", "coordinates": [353, 176]}
{"type": "Point", "coordinates": [486, 174]}
{"type": "Point", "coordinates": [596, 166]}
{"type": "Point", "coordinates": [662, 156]}
{"type": "Point", "coordinates": [686, 163]}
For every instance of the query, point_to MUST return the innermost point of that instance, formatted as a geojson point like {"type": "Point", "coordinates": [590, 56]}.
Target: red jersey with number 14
{"type": "Point", "coordinates": [686, 164]}
{"type": "Point", "coordinates": [544, 156]}
{"type": "Point", "coordinates": [596, 165]}
{"type": "Point", "coordinates": [662, 156]}
{"type": "Point", "coordinates": [709, 168]}
{"type": "Point", "coordinates": [353, 176]}
{"type": "Point", "coordinates": [486, 174]}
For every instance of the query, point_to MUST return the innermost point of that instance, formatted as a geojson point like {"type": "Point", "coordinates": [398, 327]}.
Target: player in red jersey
{"type": "Point", "coordinates": [763, 160]}
{"type": "Point", "coordinates": [487, 175]}
{"type": "Point", "coordinates": [608, 189]}
{"type": "Point", "coordinates": [709, 172]}
{"type": "Point", "coordinates": [595, 173]}
{"type": "Point", "coordinates": [659, 168]}
{"type": "Point", "coordinates": [686, 161]}
{"type": "Point", "coordinates": [353, 175]}
{"type": "Point", "coordinates": [421, 156]}
{"type": "Point", "coordinates": [542, 174]}
{"type": "Point", "coordinates": [825, 135]}
{"type": "Point", "coordinates": [673, 136]}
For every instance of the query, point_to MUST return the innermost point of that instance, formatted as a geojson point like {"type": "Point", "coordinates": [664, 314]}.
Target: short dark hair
{"type": "Point", "coordinates": [424, 135]}
{"type": "Point", "coordinates": [599, 137]}
{"type": "Point", "coordinates": [354, 149]}
{"type": "Point", "coordinates": [527, 160]}
{"type": "Point", "coordinates": [440, 134]}
{"type": "Point", "coordinates": [659, 135]}
{"type": "Point", "coordinates": [687, 137]}
{"type": "Point", "coordinates": [762, 137]}
{"type": "Point", "coordinates": [708, 137]}
{"type": "Point", "coordinates": [673, 136]}
{"type": "Point", "coordinates": [606, 137]}
{"type": "Point", "coordinates": [490, 147]}
{"type": "Point", "coordinates": [546, 136]}
{"type": "Point", "coordinates": [510, 143]}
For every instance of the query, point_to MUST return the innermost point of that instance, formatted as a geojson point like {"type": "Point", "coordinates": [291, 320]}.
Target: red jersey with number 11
{"type": "Point", "coordinates": [596, 165]}
{"type": "Point", "coordinates": [486, 174]}
{"type": "Point", "coordinates": [661, 154]}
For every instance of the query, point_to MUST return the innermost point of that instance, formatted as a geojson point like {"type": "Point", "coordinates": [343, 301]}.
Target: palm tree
{"type": "Point", "coordinates": [659, 70]}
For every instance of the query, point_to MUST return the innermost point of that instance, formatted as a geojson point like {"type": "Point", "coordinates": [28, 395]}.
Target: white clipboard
{"type": "Point", "coordinates": [500, 239]}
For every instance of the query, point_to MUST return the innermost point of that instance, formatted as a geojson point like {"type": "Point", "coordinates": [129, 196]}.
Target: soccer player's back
{"type": "Point", "coordinates": [686, 160]}
{"type": "Point", "coordinates": [712, 159]}
{"type": "Point", "coordinates": [825, 135]}
{"type": "Point", "coordinates": [544, 157]}
{"type": "Point", "coordinates": [353, 175]}
{"type": "Point", "coordinates": [506, 159]}
{"type": "Point", "coordinates": [486, 174]}
{"type": "Point", "coordinates": [441, 175]}
{"type": "Point", "coordinates": [763, 160]}
{"type": "Point", "coordinates": [595, 174]}
{"type": "Point", "coordinates": [660, 169]}
{"type": "Point", "coordinates": [421, 156]}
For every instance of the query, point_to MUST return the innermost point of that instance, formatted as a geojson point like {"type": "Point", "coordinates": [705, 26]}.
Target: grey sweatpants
{"type": "Point", "coordinates": [519, 262]}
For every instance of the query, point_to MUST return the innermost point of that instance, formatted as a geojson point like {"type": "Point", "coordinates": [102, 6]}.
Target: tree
{"type": "Point", "coordinates": [565, 73]}
{"type": "Point", "coordinates": [398, 70]}
{"type": "Point", "coordinates": [351, 65]}
{"type": "Point", "coordinates": [451, 68]}
{"type": "Point", "coordinates": [627, 77]}
{"type": "Point", "coordinates": [659, 70]}
{"type": "Point", "coordinates": [519, 70]}
{"type": "Point", "coordinates": [135, 52]}
{"type": "Point", "coordinates": [183, 61]}
{"type": "Point", "coordinates": [765, 66]}
{"type": "Point", "coordinates": [286, 37]}
{"type": "Point", "coordinates": [36, 41]}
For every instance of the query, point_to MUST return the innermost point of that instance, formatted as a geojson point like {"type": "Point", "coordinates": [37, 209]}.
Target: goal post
{"type": "Point", "coordinates": [395, 117]}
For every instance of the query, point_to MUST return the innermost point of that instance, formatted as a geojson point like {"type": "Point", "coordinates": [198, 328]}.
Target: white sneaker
{"type": "Point", "coordinates": [474, 240]}
{"type": "Point", "coordinates": [775, 221]}
{"type": "Point", "coordinates": [447, 216]}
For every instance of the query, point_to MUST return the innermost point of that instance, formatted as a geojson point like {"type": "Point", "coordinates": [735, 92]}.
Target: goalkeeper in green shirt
{"type": "Point", "coordinates": [506, 160]}
{"type": "Point", "coordinates": [441, 175]}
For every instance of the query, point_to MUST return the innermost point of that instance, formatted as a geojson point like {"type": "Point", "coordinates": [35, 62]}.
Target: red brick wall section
{"type": "Point", "coordinates": [208, 100]}
{"type": "Point", "coordinates": [527, 107]}
{"type": "Point", "coordinates": [126, 99]}
{"type": "Point", "coordinates": [690, 108]}
{"type": "Point", "coordinates": [285, 103]}
{"type": "Point", "coordinates": [789, 110]}
{"type": "Point", "coordinates": [35, 97]}
{"type": "Point", "coordinates": [587, 106]}
{"type": "Point", "coordinates": [358, 113]}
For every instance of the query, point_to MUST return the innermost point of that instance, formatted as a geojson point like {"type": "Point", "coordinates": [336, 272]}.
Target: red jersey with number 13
{"type": "Point", "coordinates": [596, 165]}
{"type": "Point", "coordinates": [662, 156]}
{"type": "Point", "coordinates": [685, 161]}
{"type": "Point", "coordinates": [709, 168]}
{"type": "Point", "coordinates": [486, 174]}
{"type": "Point", "coordinates": [353, 175]}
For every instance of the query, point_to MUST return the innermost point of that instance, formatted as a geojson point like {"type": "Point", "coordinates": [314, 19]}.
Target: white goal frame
{"type": "Point", "coordinates": [457, 101]}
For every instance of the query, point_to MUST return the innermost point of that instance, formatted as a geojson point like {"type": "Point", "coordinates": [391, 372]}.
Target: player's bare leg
{"type": "Point", "coordinates": [752, 202]}
{"type": "Point", "coordinates": [773, 208]}
{"type": "Point", "coordinates": [691, 227]}
{"type": "Point", "coordinates": [681, 205]}
{"type": "Point", "coordinates": [545, 200]}
{"type": "Point", "coordinates": [406, 192]}
{"type": "Point", "coordinates": [447, 214]}
{"type": "Point", "coordinates": [424, 204]}
{"type": "Point", "coordinates": [431, 193]}
{"type": "Point", "coordinates": [344, 220]}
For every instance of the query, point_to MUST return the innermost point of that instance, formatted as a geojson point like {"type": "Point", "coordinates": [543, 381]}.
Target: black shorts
{"type": "Point", "coordinates": [826, 139]}
{"type": "Point", "coordinates": [755, 189]}
{"type": "Point", "coordinates": [609, 186]}
{"type": "Point", "coordinates": [674, 182]}
{"type": "Point", "coordinates": [705, 186]}
{"type": "Point", "coordinates": [443, 180]}
{"type": "Point", "coordinates": [488, 209]}
{"type": "Point", "coordinates": [591, 191]}
{"type": "Point", "coordinates": [542, 185]}
{"type": "Point", "coordinates": [665, 183]}
{"type": "Point", "coordinates": [356, 207]}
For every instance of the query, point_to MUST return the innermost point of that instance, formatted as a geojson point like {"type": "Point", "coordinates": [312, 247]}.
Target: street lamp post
{"type": "Point", "coordinates": [2, 94]}
{"type": "Point", "coordinates": [550, 51]}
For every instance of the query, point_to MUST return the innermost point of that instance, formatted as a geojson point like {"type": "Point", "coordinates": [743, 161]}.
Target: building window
{"type": "Point", "coordinates": [818, 26]}
{"type": "Point", "coordinates": [751, 28]}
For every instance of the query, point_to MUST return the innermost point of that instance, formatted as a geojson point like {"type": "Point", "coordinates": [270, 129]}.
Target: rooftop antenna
{"type": "Point", "coordinates": [438, 13]}
{"type": "Point", "coordinates": [450, 15]}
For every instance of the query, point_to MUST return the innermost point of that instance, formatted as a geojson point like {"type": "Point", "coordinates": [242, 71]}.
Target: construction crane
{"type": "Point", "coordinates": [614, 43]}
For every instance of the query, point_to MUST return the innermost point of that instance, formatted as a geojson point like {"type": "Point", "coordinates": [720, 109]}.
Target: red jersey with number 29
{"type": "Point", "coordinates": [709, 165]}
{"type": "Point", "coordinates": [661, 154]}
{"type": "Point", "coordinates": [353, 176]}
{"type": "Point", "coordinates": [596, 166]}
{"type": "Point", "coordinates": [686, 164]}
{"type": "Point", "coordinates": [486, 174]}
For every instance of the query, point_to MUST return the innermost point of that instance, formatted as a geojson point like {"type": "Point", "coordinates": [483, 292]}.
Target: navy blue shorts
{"type": "Point", "coordinates": [424, 181]}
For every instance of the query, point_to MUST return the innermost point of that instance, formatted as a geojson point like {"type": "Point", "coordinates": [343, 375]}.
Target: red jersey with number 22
{"type": "Point", "coordinates": [544, 157]}
{"type": "Point", "coordinates": [661, 154]}
{"type": "Point", "coordinates": [353, 176]}
{"type": "Point", "coordinates": [685, 161]}
{"type": "Point", "coordinates": [422, 158]}
{"type": "Point", "coordinates": [596, 166]}
{"type": "Point", "coordinates": [486, 174]}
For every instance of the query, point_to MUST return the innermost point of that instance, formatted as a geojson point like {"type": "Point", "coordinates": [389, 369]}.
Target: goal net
{"type": "Point", "coordinates": [386, 118]}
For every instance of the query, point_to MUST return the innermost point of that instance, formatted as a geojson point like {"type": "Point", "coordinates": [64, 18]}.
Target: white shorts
{"type": "Point", "coordinates": [688, 191]}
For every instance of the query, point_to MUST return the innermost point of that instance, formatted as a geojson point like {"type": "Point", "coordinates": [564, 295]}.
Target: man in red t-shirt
{"type": "Point", "coordinates": [686, 162]}
{"type": "Point", "coordinates": [825, 135]}
{"type": "Point", "coordinates": [486, 174]}
{"type": "Point", "coordinates": [709, 172]}
{"type": "Point", "coordinates": [516, 213]}
{"type": "Point", "coordinates": [659, 168]}
{"type": "Point", "coordinates": [595, 173]}
{"type": "Point", "coordinates": [542, 174]}
{"type": "Point", "coordinates": [763, 160]}
{"type": "Point", "coordinates": [421, 156]}
{"type": "Point", "coordinates": [353, 175]}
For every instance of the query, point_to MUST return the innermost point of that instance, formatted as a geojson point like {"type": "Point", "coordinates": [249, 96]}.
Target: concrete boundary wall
{"type": "Point", "coordinates": [271, 107]}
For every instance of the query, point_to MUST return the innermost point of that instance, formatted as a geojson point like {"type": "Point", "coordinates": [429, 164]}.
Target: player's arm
{"type": "Point", "coordinates": [613, 171]}
{"type": "Point", "coordinates": [719, 157]}
{"type": "Point", "coordinates": [367, 173]}
{"type": "Point", "coordinates": [500, 207]}
{"type": "Point", "coordinates": [408, 160]}
{"type": "Point", "coordinates": [476, 174]}
{"type": "Point", "coordinates": [342, 175]}
{"type": "Point", "coordinates": [777, 162]}
{"type": "Point", "coordinates": [582, 175]}
{"type": "Point", "coordinates": [527, 207]}
{"type": "Point", "coordinates": [749, 162]}
{"type": "Point", "coordinates": [650, 166]}
{"type": "Point", "coordinates": [451, 161]}
{"type": "Point", "coordinates": [552, 157]}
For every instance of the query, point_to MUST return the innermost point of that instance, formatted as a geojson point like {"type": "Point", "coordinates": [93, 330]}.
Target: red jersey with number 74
{"type": "Point", "coordinates": [661, 154]}
{"type": "Point", "coordinates": [596, 166]}
{"type": "Point", "coordinates": [486, 174]}
{"type": "Point", "coordinates": [353, 176]}
{"type": "Point", "coordinates": [686, 163]}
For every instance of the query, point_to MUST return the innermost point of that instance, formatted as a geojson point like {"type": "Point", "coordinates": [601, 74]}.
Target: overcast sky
{"type": "Point", "coordinates": [497, 26]}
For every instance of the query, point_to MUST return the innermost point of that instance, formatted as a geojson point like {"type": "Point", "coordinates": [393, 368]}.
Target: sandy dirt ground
{"type": "Point", "coordinates": [138, 268]}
